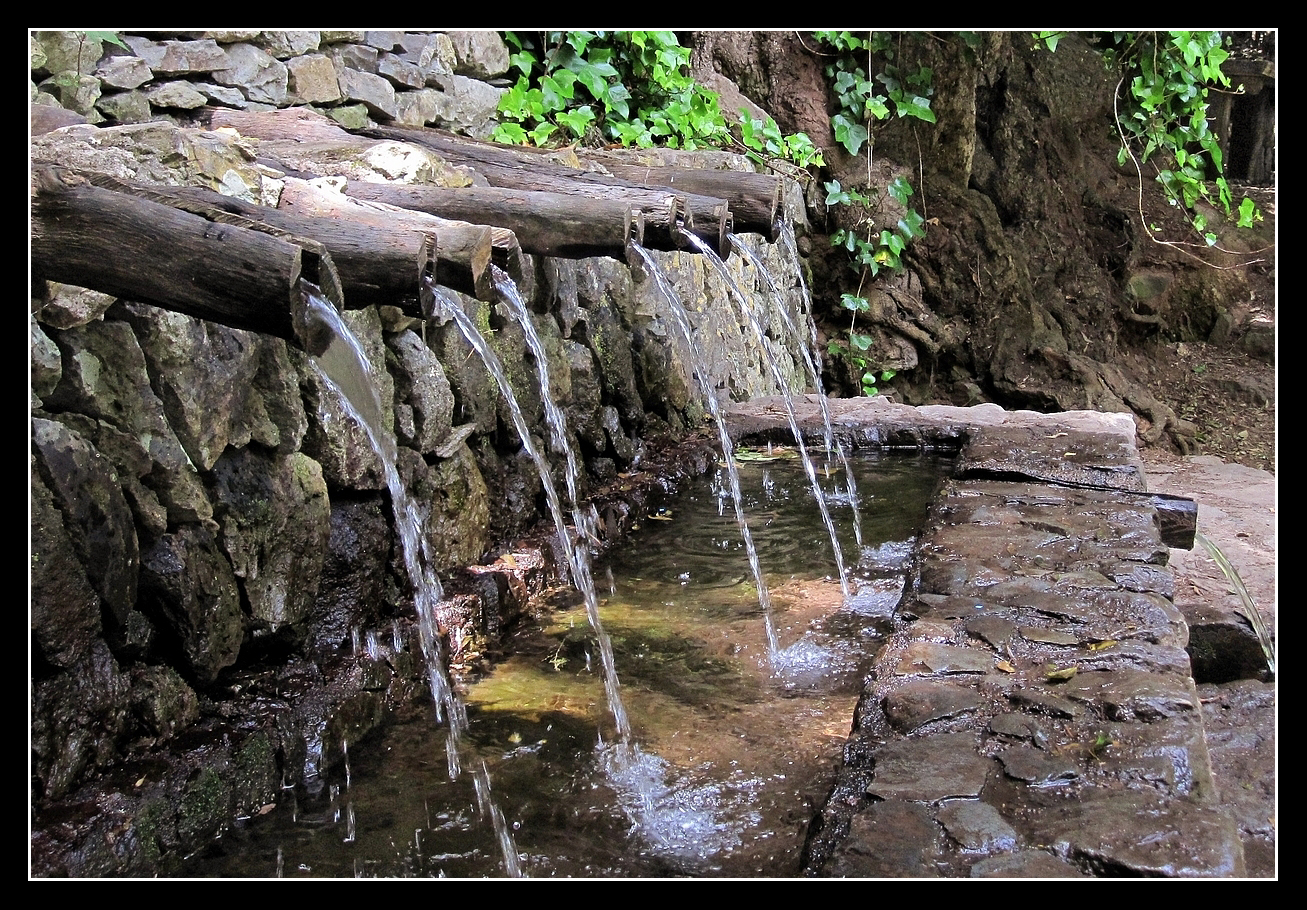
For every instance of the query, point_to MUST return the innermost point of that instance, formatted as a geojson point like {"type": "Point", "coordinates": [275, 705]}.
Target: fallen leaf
{"type": "Point", "coordinates": [1055, 675]}
{"type": "Point", "coordinates": [1102, 645]}
{"type": "Point", "coordinates": [1005, 667]}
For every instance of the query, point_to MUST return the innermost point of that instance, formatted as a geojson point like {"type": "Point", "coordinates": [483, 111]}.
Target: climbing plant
{"type": "Point", "coordinates": [631, 88]}
{"type": "Point", "coordinates": [862, 101]}
{"type": "Point", "coordinates": [1162, 116]}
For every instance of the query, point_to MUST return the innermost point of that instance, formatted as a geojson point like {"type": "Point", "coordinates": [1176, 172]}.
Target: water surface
{"type": "Point", "coordinates": [730, 751]}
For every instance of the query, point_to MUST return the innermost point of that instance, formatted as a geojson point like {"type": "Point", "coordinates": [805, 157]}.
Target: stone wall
{"type": "Point", "coordinates": [448, 79]}
{"type": "Point", "coordinates": [211, 536]}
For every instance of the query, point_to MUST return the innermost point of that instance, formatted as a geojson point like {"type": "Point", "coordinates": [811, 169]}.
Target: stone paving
{"type": "Point", "coordinates": [1033, 714]}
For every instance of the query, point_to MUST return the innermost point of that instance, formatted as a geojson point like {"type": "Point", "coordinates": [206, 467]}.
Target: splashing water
{"type": "Point", "coordinates": [752, 318]}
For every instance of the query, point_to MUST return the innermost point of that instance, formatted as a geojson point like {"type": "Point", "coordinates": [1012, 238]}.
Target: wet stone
{"type": "Point", "coordinates": [993, 630]}
{"type": "Point", "coordinates": [1025, 864]}
{"type": "Point", "coordinates": [1038, 768]}
{"type": "Point", "coordinates": [1133, 833]}
{"type": "Point", "coordinates": [891, 839]}
{"type": "Point", "coordinates": [1048, 636]}
{"type": "Point", "coordinates": [919, 702]}
{"type": "Point", "coordinates": [1045, 703]}
{"type": "Point", "coordinates": [1135, 694]}
{"type": "Point", "coordinates": [935, 768]}
{"type": "Point", "coordinates": [930, 657]}
{"type": "Point", "coordinates": [953, 606]}
{"type": "Point", "coordinates": [1012, 724]}
{"type": "Point", "coordinates": [977, 826]}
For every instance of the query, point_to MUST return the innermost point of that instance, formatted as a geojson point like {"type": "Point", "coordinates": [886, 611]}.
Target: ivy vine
{"type": "Point", "coordinates": [863, 100]}
{"type": "Point", "coordinates": [631, 88]}
{"type": "Point", "coordinates": [1165, 82]}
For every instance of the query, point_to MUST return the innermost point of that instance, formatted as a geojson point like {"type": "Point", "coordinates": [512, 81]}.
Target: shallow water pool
{"type": "Point", "coordinates": [732, 747]}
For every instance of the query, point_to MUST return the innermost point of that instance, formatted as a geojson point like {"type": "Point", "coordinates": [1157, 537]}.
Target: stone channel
{"type": "Point", "coordinates": [1033, 713]}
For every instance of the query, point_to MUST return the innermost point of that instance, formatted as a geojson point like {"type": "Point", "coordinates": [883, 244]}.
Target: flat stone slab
{"type": "Point", "coordinates": [1050, 455]}
{"type": "Point", "coordinates": [892, 839]}
{"type": "Point", "coordinates": [977, 826]}
{"type": "Point", "coordinates": [945, 766]}
{"type": "Point", "coordinates": [920, 702]}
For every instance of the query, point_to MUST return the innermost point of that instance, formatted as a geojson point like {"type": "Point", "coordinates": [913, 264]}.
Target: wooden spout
{"type": "Point", "coordinates": [128, 246]}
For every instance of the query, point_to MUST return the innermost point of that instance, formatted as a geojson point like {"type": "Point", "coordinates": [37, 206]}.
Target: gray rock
{"type": "Point", "coordinates": [467, 105]}
{"type": "Point", "coordinates": [479, 54]}
{"type": "Point", "coordinates": [919, 702]}
{"type": "Point", "coordinates": [65, 51]}
{"type": "Point", "coordinates": [286, 44]}
{"type": "Point", "coordinates": [977, 825]}
{"type": "Point", "coordinates": [311, 79]}
{"type": "Point", "coordinates": [275, 520]}
{"type": "Point", "coordinates": [105, 377]}
{"type": "Point", "coordinates": [938, 767]}
{"type": "Point", "coordinates": [123, 72]}
{"type": "Point", "coordinates": [101, 527]}
{"type": "Point", "coordinates": [891, 839]}
{"type": "Point", "coordinates": [420, 383]}
{"type": "Point", "coordinates": [371, 90]}
{"type": "Point", "coordinates": [260, 76]}
{"type": "Point", "coordinates": [125, 107]}
{"type": "Point", "coordinates": [175, 95]}
{"type": "Point", "coordinates": [76, 93]}
{"type": "Point", "coordinates": [179, 58]}
{"type": "Point", "coordinates": [188, 587]}
{"type": "Point", "coordinates": [401, 73]}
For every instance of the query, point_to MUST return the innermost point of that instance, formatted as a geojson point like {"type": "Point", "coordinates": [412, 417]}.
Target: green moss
{"type": "Point", "coordinates": [256, 773]}
{"type": "Point", "coordinates": [205, 807]}
{"type": "Point", "coordinates": [152, 832]}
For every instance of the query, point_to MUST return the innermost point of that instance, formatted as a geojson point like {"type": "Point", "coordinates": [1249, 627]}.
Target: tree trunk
{"type": "Point", "coordinates": [465, 252]}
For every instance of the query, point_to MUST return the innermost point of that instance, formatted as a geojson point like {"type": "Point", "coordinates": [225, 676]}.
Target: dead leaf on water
{"type": "Point", "coordinates": [1005, 667]}
{"type": "Point", "coordinates": [1056, 675]}
{"type": "Point", "coordinates": [1103, 645]}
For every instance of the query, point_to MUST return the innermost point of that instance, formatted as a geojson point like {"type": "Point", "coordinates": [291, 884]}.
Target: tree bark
{"type": "Point", "coordinates": [465, 252]}
{"type": "Point", "coordinates": [754, 199]}
{"type": "Point", "coordinates": [376, 265]}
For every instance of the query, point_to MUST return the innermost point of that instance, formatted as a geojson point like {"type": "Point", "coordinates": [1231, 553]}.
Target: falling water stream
{"type": "Point", "coordinates": [682, 320]}
{"type": "Point", "coordinates": [811, 359]}
{"type": "Point", "coordinates": [345, 367]}
{"type": "Point", "coordinates": [752, 319]}
{"type": "Point", "coordinates": [578, 561]}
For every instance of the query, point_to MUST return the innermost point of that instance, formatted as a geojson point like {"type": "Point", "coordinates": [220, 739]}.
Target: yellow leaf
{"type": "Point", "coordinates": [508, 560]}
{"type": "Point", "coordinates": [1102, 645]}
{"type": "Point", "coordinates": [1005, 667]}
{"type": "Point", "coordinates": [1055, 675]}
